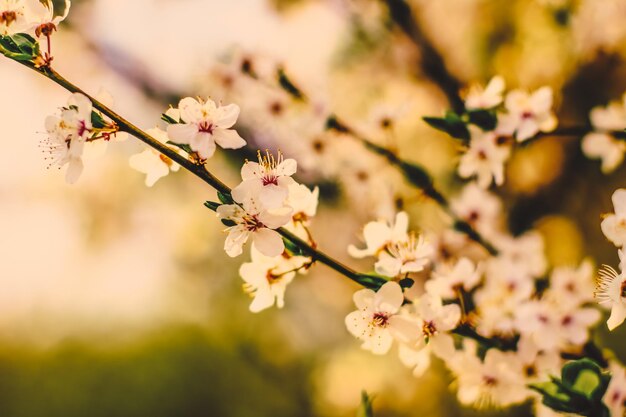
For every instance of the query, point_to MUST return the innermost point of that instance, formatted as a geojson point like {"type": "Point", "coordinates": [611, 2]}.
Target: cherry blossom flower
{"type": "Point", "coordinates": [487, 98]}
{"type": "Point", "coordinates": [614, 225]}
{"type": "Point", "coordinates": [250, 221]}
{"type": "Point", "coordinates": [403, 257]}
{"type": "Point", "coordinates": [379, 235]}
{"type": "Point", "coordinates": [536, 364]}
{"type": "Point", "coordinates": [67, 134]}
{"type": "Point", "coordinates": [153, 163]}
{"type": "Point", "coordinates": [615, 395]}
{"type": "Point", "coordinates": [269, 180]}
{"type": "Point", "coordinates": [611, 292]}
{"type": "Point", "coordinates": [41, 16]}
{"type": "Point", "coordinates": [529, 114]}
{"type": "Point", "coordinates": [377, 321]}
{"type": "Point", "coordinates": [478, 207]}
{"type": "Point", "coordinates": [203, 124]}
{"type": "Point", "coordinates": [495, 381]}
{"type": "Point", "coordinates": [485, 158]}
{"type": "Point", "coordinates": [303, 202]}
{"type": "Point", "coordinates": [601, 144]}
{"type": "Point", "coordinates": [449, 277]}
{"type": "Point", "coordinates": [266, 278]}
{"type": "Point", "coordinates": [573, 286]}
{"type": "Point", "coordinates": [436, 321]}
{"type": "Point", "coordinates": [526, 252]}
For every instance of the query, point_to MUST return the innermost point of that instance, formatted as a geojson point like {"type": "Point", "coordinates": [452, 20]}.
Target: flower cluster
{"type": "Point", "coordinates": [267, 199]}
{"type": "Point", "coordinates": [493, 120]}
{"type": "Point", "coordinates": [77, 126]}
{"type": "Point", "coordinates": [532, 315]}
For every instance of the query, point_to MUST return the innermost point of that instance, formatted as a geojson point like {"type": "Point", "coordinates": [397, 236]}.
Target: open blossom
{"type": "Point", "coordinates": [403, 257]}
{"type": "Point", "coordinates": [436, 321]}
{"type": "Point", "coordinates": [487, 98]}
{"type": "Point", "coordinates": [449, 277]}
{"type": "Point", "coordinates": [601, 144]}
{"type": "Point", "coordinates": [614, 225]}
{"type": "Point", "coordinates": [529, 114]}
{"type": "Point", "coordinates": [485, 158]}
{"type": "Point", "coordinates": [41, 16]}
{"type": "Point", "coordinates": [266, 278]}
{"type": "Point", "coordinates": [203, 124]}
{"type": "Point", "coordinates": [377, 321]}
{"type": "Point", "coordinates": [153, 163]}
{"type": "Point", "coordinates": [611, 292]}
{"type": "Point", "coordinates": [303, 202]}
{"type": "Point", "coordinates": [478, 207]}
{"type": "Point", "coordinates": [379, 235]}
{"type": "Point", "coordinates": [495, 381]}
{"type": "Point", "coordinates": [573, 286]}
{"type": "Point", "coordinates": [67, 134]}
{"type": "Point", "coordinates": [269, 180]}
{"type": "Point", "coordinates": [615, 395]}
{"type": "Point", "coordinates": [250, 221]}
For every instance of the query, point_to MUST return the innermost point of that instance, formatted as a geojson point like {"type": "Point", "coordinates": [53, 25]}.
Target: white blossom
{"type": "Point", "coordinates": [253, 222]}
{"type": "Point", "coordinates": [485, 98]}
{"type": "Point", "coordinates": [67, 134]}
{"type": "Point", "coordinates": [614, 225]}
{"type": "Point", "coordinates": [485, 158]}
{"type": "Point", "coordinates": [615, 395]}
{"type": "Point", "coordinates": [268, 180]}
{"type": "Point", "coordinates": [601, 143]}
{"type": "Point", "coordinates": [410, 255]}
{"type": "Point", "coordinates": [266, 278]}
{"type": "Point", "coordinates": [203, 124]}
{"type": "Point", "coordinates": [448, 277]}
{"type": "Point", "coordinates": [41, 15]}
{"type": "Point", "coordinates": [13, 17]}
{"type": "Point", "coordinates": [380, 234]}
{"type": "Point", "coordinates": [153, 163]}
{"type": "Point", "coordinates": [529, 113]}
{"type": "Point", "coordinates": [377, 321]}
{"type": "Point", "coordinates": [478, 207]}
{"type": "Point", "coordinates": [611, 292]}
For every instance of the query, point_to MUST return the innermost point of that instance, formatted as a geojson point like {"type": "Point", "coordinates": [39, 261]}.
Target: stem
{"type": "Point", "coordinates": [200, 171]}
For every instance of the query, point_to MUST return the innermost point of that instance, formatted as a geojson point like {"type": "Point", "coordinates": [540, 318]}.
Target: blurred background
{"type": "Point", "coordinates": [118, 300]}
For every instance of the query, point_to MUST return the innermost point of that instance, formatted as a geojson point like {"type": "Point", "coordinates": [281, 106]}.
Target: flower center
{"type": "Point", "coordinates": [528, 115]}
{"type": "Point", "coordinates": [81, 128]}
{"type": "Point", "coordinates": [206, 127]}
{"type": "Point", "coordinates": [380, 320]}
{"type": "Point", "coordinates": [490, 381]}
{"type": "Point", "coordinates": [270, 179]}
{"type": "Point", "coordinates": [429, 329]}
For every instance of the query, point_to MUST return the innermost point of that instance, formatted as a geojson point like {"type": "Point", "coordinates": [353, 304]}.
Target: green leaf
{"type": "Point", "coordinates": [168, 119]}
{"type": "Point", "coordinates": [451, 123]}
{"type": "Point", "coordinates": [211, 205]}
{"type": "Point", "coordinates": [485, 119]}
{"type": "Point", "coordinates": [225, 198]}
{"type": "Point", "coordinates": [97, 120]}
{"type": "Point", "coordinates": [20, 47]}
{"type": "Point", "coordinates": [292, 248]}
{"type": "Point", "coordinates": [228, 222]}
{"type": "Point", "coordinates": [373, 282]}
{"type": "Point", "coordinates": [365, 409]}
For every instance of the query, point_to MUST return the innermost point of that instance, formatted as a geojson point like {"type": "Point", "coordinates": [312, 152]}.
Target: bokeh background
{"type": "Point", "coordinates": [118, 300]}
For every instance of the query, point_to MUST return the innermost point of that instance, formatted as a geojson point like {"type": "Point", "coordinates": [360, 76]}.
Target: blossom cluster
{"type": "Point", "coordinates": [516, 116]}
{"type": "Point", "coordinates": [534, 314]}
{"type": "Point", "coordinates": [602, 143]}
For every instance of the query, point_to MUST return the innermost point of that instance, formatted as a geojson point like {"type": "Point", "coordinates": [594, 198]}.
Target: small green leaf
{"type": "Point", "coordinates": [168, 119]}
{"type": "Point", "coordinates": [225, 198]}
{"type": "Point", "coordinates": [292, 248]}
{"type": "Point", "coordinates": [97, 120]}
{"type": "Point", "coordinates": [20, 47]}
{"type": "Point", "coordinates": [211, 205]}
{"type": "Point", "coordinates": [451, 123]}
{"type": "Point", "coordinates": [485, 119]}
{"type": "Point", "coordinates": [228, 222]}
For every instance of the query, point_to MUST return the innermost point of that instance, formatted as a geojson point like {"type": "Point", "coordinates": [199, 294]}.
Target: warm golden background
{"type": "Point", "coordinates": [118, 300]}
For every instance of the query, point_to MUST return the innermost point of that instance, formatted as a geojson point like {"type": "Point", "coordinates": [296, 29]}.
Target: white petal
{"type": "Point", "coordinates": [268, 242]}
{"type": "Point", "coordinates": [228, 139]}
{"type": "Point", "coordinates": [182, 133]}
{"type": "Point", "coordinates": [389, 297]}
{"type": "Point", "coordinates": [618, 314]}
{"type": "Point", "coordinates": [74, 169]}
{"type": "Point", "coordinates": [226, 116]}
